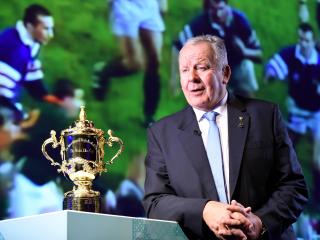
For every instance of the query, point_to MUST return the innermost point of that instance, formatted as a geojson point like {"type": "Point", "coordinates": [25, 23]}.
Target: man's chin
{"type": "Point", "coordinates": [201, 105]}
{"type": "Point", "coordinates": [43, 42]}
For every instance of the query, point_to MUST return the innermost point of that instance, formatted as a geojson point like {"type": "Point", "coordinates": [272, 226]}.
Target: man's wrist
{"type": "Point", "coordinates": [264, 230]}
{"type": "Point", "coordinates": [261, 229]}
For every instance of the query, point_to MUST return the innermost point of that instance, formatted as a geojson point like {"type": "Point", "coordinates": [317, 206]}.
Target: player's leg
{"type": "Point", "coordinates": [125, 20]}
{"type": "Point", "coordinates": [243, 80]}
{"type": "Point", "coordinates": [151, 29]}
{"type": "Point", "coordinates": [152, 44]}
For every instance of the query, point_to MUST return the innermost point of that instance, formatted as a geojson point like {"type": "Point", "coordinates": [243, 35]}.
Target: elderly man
{"type": "Point", "coordinates": [224, 167]}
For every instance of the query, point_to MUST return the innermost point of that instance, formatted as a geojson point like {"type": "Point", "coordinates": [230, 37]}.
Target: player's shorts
{"type": "Point", "coordinates": [128, 16]}
{"type": "Point", "coordinates": [301, 124]}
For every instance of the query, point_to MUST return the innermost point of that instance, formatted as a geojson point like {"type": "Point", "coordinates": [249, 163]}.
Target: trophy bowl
{"type": "Point", "coordinates": [82, 153]}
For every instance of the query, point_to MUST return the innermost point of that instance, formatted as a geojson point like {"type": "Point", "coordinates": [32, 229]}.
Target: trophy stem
{"type": "Point", "coordinates": [83, 189]}
{"type": "Point", "coordinates": [82, 197]}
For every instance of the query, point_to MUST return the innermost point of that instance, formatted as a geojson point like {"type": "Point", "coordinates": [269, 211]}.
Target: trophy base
{"type": "Point", "coordinates": [84, 204]}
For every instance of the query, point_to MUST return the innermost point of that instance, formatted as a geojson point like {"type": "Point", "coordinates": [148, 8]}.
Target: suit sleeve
{"type": "Point", "coordinates": [161, 200]}
{"type": "Point", "coordinates": [290, 192]}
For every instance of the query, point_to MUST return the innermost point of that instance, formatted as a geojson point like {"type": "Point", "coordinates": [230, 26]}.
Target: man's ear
{"type": "Point", "coordinates": [29, 27]}
{"type": "Point", "coordinates": [226, 74]}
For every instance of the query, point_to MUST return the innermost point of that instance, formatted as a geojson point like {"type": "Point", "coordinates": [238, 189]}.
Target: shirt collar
{"type": "Point", "coordinates": [24, 35]}
{"type": "Point", "coordinates": [221, 108]}
{"type": "Point", "coordinates": [312, 60]}
{"type": "Point", "coordinates": [230, 17]}
{"type": "Point", "coordinates": [27, 39]}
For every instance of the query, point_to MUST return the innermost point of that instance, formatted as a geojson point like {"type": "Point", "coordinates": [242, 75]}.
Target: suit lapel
{"type": "Point", "coordinates": [238, 123]}
{"type": "Point", "coordinates": [191, 140]}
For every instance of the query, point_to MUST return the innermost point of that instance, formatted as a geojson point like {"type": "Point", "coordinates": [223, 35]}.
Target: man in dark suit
{"type": "Point", "coordinates": [263, 190]}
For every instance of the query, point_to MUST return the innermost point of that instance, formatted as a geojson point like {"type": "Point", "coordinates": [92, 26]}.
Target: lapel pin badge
{"type": "Point", "coordinates": [241, 123]}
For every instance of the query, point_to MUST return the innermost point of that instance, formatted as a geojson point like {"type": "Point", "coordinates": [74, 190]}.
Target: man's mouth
{"type": "Point", "coordinates": [197, 90]}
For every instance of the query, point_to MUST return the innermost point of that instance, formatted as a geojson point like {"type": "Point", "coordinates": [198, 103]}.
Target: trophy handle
{"type": "Point", "coordinates": [110, 141]}
{"type": "Point", "coordinates": [53, 140]}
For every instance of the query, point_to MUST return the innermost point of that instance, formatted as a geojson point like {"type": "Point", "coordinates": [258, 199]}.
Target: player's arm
{"type": "Point", "coordinates": [250, 49]}
{"type": "Point", "coordinates": [38, 91]}
{"type": "Point", "coordinates": [163, 6]}
{"type": "Point", "coordinates": [277, 66]}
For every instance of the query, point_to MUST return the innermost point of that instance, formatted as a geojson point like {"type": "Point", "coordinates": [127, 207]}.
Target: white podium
{"type": "Point", "coordinates": [74, 225]}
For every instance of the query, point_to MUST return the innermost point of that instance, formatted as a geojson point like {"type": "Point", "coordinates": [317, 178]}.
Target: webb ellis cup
{"type": "Point", "coordinates": [82, 153]}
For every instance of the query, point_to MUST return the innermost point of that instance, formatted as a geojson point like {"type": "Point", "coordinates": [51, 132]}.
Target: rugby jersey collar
{"type": "Point", "coordinates": [24, 35]}
{"type": "Point", "coordinates": [312, 60]}
{"type": "Point", "coordinates": [26, 38]}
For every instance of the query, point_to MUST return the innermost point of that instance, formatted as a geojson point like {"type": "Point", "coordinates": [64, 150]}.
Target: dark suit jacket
{"type": "Point", "coordinates": [264, 171]}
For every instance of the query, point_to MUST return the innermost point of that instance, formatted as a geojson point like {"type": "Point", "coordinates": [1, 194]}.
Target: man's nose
{"type": "Point", "coordinates": [193, 75]}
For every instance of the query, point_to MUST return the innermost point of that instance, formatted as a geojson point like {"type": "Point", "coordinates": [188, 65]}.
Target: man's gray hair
{"type": "Point", "coordinates": [217, 44]}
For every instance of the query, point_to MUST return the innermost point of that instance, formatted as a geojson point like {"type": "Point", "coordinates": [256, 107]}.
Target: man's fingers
{"type": "Point", "coordinates": [243, 219]}
{"type": "Point", "coordinates": [235, 203]}
{"type": "Point", "coordinates": [238, 233]}
{"type": "Point", "coordinates": [232, 222]}
{"type": "Point", "coordinates": [247, 210]}
{"type": "Point", "coordinates": [234, 208]}
{"type": "Point", "coordinates": [235, 233]}
{"type": "Point", "coordinates": [222, 232]}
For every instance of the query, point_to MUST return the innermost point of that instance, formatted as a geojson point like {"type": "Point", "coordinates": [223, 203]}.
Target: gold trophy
{"type": "Point", "coordinates": [82, 153]}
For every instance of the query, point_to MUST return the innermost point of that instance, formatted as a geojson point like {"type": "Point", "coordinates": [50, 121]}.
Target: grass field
{"type": "Point", "coordinates": [83, 37]}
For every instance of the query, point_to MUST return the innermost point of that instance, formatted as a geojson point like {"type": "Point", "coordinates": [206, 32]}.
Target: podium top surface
{"type": "Point", "coordinates": [75, 225]}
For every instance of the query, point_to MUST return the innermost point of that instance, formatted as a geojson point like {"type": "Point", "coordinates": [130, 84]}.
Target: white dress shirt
{"type": "Point", "coordinates": [222, 123]}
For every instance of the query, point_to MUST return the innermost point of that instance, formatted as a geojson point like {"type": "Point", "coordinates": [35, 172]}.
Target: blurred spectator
{"type": "Point", "coordinates": [37, 187]}
{"type": "Point", "coordinates": [127, 201]}
{"type": "Point", "coordinates": [137, 25]}
{"type": "Point", "coordinates": [303, 12]}
{"type": "Point", "coordinates": [9, 133]}
{"type": "Point", "coordinates": [318, 13]}
{"type": "Point", "coordinates": [304, 228]}
{"type": "Point", "coordinates": [304, 15]}
{"type": "Point", "coordinates": [299, 65]}
{"type": "Point", "coordinates": [242, 44]}
{"type": "Point", "coordinates": [206, 4]}
{"type": "Point", "coordinates": [19, 63]}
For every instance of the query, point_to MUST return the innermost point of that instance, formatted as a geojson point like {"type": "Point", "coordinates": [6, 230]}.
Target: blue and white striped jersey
{"type": "Point", "coordinates": [19, 65]}
{"type": "Point", "coordinates": [303, 76]}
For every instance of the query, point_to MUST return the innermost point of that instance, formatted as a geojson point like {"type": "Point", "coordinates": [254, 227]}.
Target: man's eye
{"type": "Point", "coordinates": [202, 68]}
